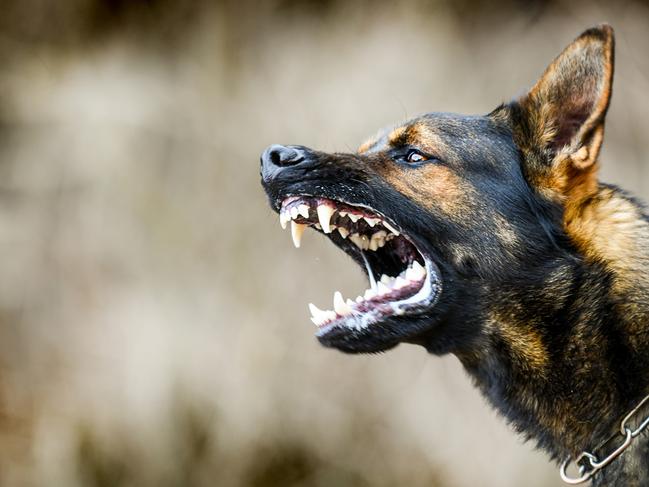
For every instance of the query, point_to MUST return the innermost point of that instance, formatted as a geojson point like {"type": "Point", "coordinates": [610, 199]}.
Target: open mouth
{"type": "Point", "coordinates": [403, 280]}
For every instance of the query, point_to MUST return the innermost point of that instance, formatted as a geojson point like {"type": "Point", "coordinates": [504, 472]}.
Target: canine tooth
{"type": "Point", "coordinates": [340, 306]}
{"type": "Point", "coordinates": [354, 218]}
{"type": "Point", "coordinates": [303, 210]}
{"type": "Point", "coordinates": [343, 232]}
{"type": "Point", "coordinates": [400, 282]}
{"type": "Point", "coordinates": [284, 219]}
{"type": "Point", "coordinates": [371, 221]}
{"type": "Point", "coordinates": [382, 288]}
{"type": "Point", "coordinates": [324, 217]}
{"type": "Point", "coordinates": [294, 213]}
{"type": "Point", "coordinates": [297, 229]}
{"type": "Point", "coordinates": [390, 227]}
{"type": "Point", "coordinates": [317, 315]}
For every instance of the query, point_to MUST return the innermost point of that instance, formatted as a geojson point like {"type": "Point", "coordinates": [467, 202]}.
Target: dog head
{"type": "Point", "coordinates": [448, 214]}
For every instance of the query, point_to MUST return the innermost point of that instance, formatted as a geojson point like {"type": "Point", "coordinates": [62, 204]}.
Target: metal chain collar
{"type": "Point", "coordinates": [594, 464]}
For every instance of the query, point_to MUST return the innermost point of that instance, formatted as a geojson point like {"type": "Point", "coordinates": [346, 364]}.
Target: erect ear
{"type": "Point", "coordinates": [561, 120]}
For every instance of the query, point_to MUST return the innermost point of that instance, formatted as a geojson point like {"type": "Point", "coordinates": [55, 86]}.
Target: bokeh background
{"type": "Point", "coordinates": [153, 321]}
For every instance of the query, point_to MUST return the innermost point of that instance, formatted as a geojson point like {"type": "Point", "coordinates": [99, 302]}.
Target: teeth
{"type": "Point", "coordinates": [369, 294]}
{"type": "Point", "coordinates": [385, 279]}
{"type": "Point", "coordinates": [400, 282]}
{"type": "Point", "coordinates": [294, 213]}
{"type": "Point", "coordinates": [318, 316]}
{"type": "Point", "coordinates": [357, 240]}
{"type": "Point", "coordinates": [365, 241]}
{"type": "Point", "coordinates": [391, 228]}
{"type": "Point", "coordinates": [342, 213]}
{"type": "Point", "coordinates": [383, 289]}
{"type": "Point", "coordinates": [303, 210]}
{"type": "Point", "coordinates": [410, 274]}
{"type": "Point", "coordinates": [284, 218]}
{"type": "Point", "coordinates": [359, 299]}
{"type": "Point", "coordinates": [343, 232]}
{"type": "Point", "coordinates": [378, 240]}
{"type": "Point", "coordinates": [419, 269]}
{"type": "Point", "coordinates": [354, 218]}
{"type": "Point", "coordinates": [324, 217]}
{"type": "Point", "coordinates": [371, 221]}
{"type": "Point", "coordinates": [415, 272]}
{"type": "Point", "coordinates": [297, 229]}
{"type": "Point", "coordinates": [340, 306]}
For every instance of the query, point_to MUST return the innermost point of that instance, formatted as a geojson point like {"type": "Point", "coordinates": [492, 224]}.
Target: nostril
{"type": "Point", "coordinates": [275, 158]}
{"type": "Point", "coordinates": [280, 155]}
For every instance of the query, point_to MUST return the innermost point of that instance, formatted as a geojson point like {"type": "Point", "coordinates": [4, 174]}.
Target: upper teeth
{"type": "Point", "coordinates": [284, 218]}
{"type": "Point", "coordinates": [371, 221]}
{"type": "Point", "coordinates": [325, 212]}
{"type": "Point", "coordinates": [297, 229]}
{"type": "Point", "coordinates": [353, 217]}
{"type": "Point", "coordinates": [303, 210]}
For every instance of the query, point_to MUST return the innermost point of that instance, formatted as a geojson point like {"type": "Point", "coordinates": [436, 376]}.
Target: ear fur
{"type": "Point", "coordinates": [559, 123]}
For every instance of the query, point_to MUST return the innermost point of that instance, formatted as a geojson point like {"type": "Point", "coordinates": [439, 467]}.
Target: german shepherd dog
{"type": "Point", "coordinates": [490, 237]}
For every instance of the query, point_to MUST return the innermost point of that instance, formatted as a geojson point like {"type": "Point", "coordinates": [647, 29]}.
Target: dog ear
{"type": "Point", "coordinates": [560, 121]}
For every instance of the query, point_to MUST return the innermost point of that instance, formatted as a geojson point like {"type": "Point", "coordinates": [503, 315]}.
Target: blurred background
{"type": "Point", "coordinates": [153, 321]}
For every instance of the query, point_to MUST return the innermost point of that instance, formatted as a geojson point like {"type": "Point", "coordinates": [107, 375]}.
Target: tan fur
{"type": "Point", "coordinates": [435, 187]}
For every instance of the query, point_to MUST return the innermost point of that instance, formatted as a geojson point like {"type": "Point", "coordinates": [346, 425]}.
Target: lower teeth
{"type": "Point", "coordinates": [386, 285]}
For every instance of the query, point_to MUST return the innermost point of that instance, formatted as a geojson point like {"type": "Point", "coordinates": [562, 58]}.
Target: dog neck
{"type": "Point", "coordinates": [564, 358]}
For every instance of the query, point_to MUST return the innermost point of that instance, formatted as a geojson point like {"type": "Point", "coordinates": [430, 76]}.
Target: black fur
{"type": "Point", "coordinates": [547, 315]}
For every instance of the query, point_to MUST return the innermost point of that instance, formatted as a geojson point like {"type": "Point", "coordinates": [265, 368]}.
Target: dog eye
{"type": "Point", "coordinates": [414, 156]}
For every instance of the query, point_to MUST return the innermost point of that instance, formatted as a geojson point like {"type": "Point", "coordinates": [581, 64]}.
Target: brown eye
{"type": "Point", "coordinates": [415, 156]}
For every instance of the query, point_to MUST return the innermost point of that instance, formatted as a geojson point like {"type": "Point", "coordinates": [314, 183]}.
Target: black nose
{"type": "Point", "coordinates": [280, 155]}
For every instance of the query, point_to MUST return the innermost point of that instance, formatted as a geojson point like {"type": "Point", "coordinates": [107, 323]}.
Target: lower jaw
{"type": "Point", "coordinates": [423, 299]}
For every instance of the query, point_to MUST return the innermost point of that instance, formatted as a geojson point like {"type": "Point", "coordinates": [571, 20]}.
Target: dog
{"type": "Point", "coordinates": [491, 238]}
